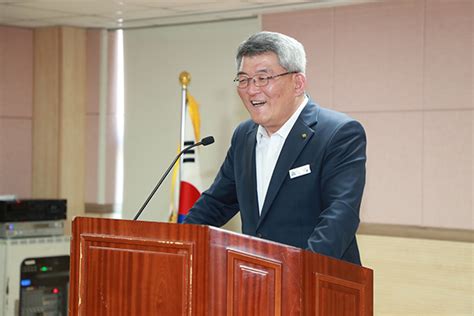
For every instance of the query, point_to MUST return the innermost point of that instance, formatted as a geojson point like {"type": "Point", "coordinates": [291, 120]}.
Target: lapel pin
{"type": "Point", "coordinates": [303, 135]}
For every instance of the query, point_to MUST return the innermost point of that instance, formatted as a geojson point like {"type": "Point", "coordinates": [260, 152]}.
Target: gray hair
{"type": "Point", "coordinates": [290, 52]}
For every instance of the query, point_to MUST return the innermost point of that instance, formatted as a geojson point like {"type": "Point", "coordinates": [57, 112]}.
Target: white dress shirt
{"type": "Point", "coordinates": [267, 152]}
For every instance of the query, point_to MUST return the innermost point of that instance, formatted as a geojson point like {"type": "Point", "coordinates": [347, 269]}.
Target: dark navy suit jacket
{"type": "Point", "coordinates": [318, 211]}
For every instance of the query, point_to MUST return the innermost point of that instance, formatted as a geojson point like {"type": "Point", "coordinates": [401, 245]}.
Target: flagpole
{"type": "Point", "coordinates": [184, 79]}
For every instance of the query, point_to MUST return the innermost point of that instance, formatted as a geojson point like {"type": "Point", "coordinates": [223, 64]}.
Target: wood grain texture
{"type": "Point", "coordinates": [122, 267]}
{"type": "Point", "coordinates": [141, 270]}
{"type": "Point", "coordinates": [260, 255]}
{"type": "Point", "coordinates": [136, 268]}
{"type": "Point", "coordinates": [337, 296]}
{"type": "Point", "coordinates": [334, 287]}
{"type": "Point", "coordinates": [254, 285]}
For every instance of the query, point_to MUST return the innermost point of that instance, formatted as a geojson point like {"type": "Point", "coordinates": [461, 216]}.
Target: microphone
{"type": "Point", "coordinates": [205, 141]}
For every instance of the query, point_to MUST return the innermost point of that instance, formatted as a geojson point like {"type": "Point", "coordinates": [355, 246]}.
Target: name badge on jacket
{"type": "Point", "coordinates": [299, 171]}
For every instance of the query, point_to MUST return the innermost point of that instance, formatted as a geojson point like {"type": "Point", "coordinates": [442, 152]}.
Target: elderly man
{"type": "Point", "coordinates": [295, 171]}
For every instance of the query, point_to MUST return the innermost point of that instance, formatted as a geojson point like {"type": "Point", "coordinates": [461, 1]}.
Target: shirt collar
{"type": "Point", "coordinates": [286, 128]}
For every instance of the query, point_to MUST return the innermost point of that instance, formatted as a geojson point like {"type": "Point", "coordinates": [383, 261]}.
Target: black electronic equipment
{"type": "Point", "coordinates": [44, 284]}
{"type": "Point", "coordinates": [30, 210]}
{"type": "Point", "coordinates": [20, 218]}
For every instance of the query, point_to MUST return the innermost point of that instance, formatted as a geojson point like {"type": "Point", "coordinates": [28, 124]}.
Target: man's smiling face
{"type": "Point", "coordinates": [273, 104]}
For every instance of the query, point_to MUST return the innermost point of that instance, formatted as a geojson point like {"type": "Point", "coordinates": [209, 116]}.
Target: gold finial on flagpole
{"type": "Point", "coordinates": [184, 78]}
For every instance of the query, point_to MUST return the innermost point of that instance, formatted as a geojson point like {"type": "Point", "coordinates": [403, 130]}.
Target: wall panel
{"type": "Point", "coordinates": [448, 54]}
{"type": "Point", "coordinates": [15, 157]}
{"type": "Point", "coordinates": [393, 191]}
{"type": "Point", "coordinates": [16, 85]}
{"type": "Point", "coordinates": [447, 173]}
{"type": "Point", "coordinates": [59, 116]}
{"type": "Point", "coordinates": [378, 53]}
{"type": "Point", "coordinates": [16, 72]}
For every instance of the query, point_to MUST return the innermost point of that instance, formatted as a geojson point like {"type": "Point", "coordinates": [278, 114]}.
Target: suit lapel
{"type": "Point", "coordinates": [296, 141]}
{"type": "Point", "coordinates": [250, 179]}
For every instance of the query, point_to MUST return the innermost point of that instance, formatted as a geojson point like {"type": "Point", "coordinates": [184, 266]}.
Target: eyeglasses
{"type": "Point", "coordinates": [243, 81]}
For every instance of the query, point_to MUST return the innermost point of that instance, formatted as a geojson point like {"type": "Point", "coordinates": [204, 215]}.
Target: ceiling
{"type": "Point", "coordinates": [113, 14]}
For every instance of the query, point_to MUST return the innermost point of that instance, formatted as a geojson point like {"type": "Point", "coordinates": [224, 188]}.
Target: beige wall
{"type": "Point", "coordinates": [404, 69]}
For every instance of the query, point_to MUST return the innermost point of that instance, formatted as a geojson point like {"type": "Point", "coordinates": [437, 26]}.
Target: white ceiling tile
{"type": "Point", "coordinates": [11, 1]}
{"type": "Point", "coordinates": [87, 7]}
{"type": "Point", "coordinates": [167, 3]}
{"type": "Point", "coordinates": [29, 23]}
{"type": "Point", "coordinates": [209, 7]}
{"type": "Point", "coordinates": [139, 14]}
{"type": "Point", "coordinates": [15, 12]}
{"type": "Point", "coordinates": [86, 21]}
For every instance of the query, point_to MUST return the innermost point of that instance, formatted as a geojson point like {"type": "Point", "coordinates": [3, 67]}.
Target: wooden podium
{"type": "Point", "coordinates": [122, 267]}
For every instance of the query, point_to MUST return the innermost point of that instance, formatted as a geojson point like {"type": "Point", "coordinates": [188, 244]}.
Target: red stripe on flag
{"type": "Point", "coordinates": [188, 194]}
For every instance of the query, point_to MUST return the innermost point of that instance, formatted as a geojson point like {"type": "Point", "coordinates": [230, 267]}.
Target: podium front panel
{"type": "Point", "coordinates": [154, 276]}
{"type": "Point", "coordinates": [123, 267]}
{"type": "Point", "coordinates": [254, 277]}
{"type": "Point", "coordinates": [254, 285]}
{"type": "Point", "coordinates": [335, 287]}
